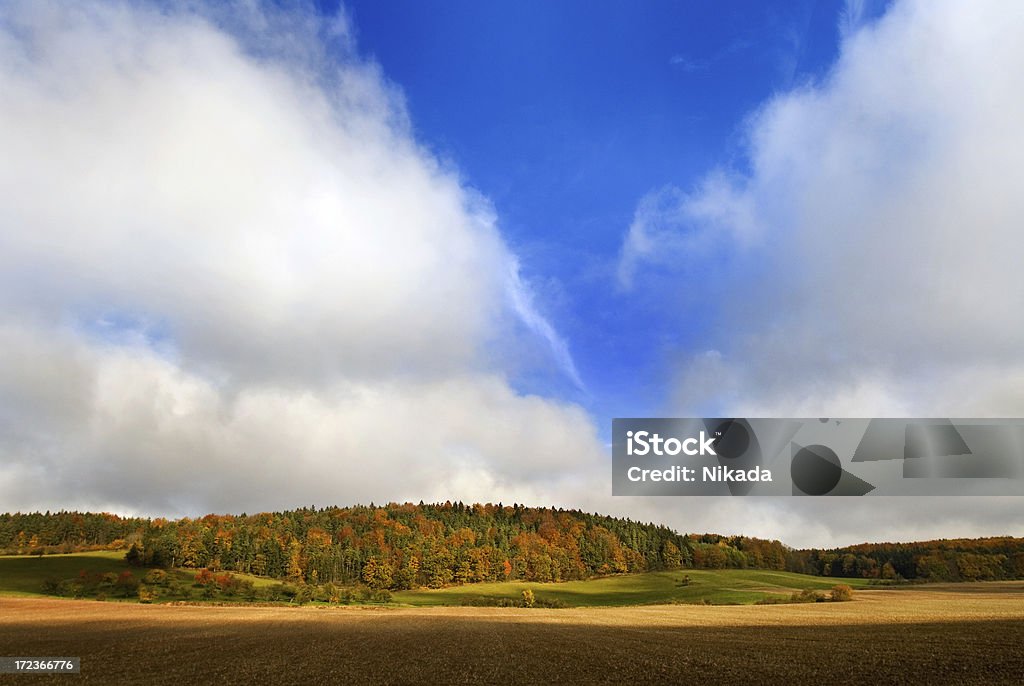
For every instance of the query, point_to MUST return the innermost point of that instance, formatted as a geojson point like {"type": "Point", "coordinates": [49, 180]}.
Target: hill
{"type": "Point", "coordinates": [401, 547]}
{"type": "Point", "coordinates": [397, 546]}
{"type": "Point", "coordinates": [712, 587]}
{"type": "Point", "coordinates": [106, 574]}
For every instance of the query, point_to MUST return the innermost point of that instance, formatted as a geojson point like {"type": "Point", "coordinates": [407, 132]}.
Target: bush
{"type": "Point", "coordinates": [226, 583]}
{"type": "Point", "coordinates": [553, 603]}
{"type": "Point", "coordinates": [70, 588]}
{"type": "Point", "coordinates": [807, 596]}
{"type": "Point", "coordinates": [491, 601]}
{"type": "Point", "coordinates": [181, 590]}
{"type": "Point", "coordinates": [330, 593]}
{"type": "Point", "coordinates": [134, 556]}
{"type": "Point", "coordinates": [381, 595]}
{"type": "Point", "coordinates": [303, 594]}
{"type": "Point", "coordinates": [247, 589]}
{"type": "Point", "coordinates": [127, 584]}
{"type": "Point", "coordinates": [841, 593]}
{"type": "Point", "coordinates": [51, 586]}
{"type": "Point", "coordinates": [156, 577]}
{"type": "Point", "coordinates": [204, 577]}
{"type": "Point", "coordinates": [528, 598]}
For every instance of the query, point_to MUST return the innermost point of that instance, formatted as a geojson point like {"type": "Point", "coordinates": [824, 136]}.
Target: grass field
{"type": "Point", "coordinates": [882, 637]}
{"type": "Point", "coordinates": [23, 575]}
{"type": "Point", "coordinates": [719, 587]}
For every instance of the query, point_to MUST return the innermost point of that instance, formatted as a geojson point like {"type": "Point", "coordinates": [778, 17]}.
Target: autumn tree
{"type": "Point", "coordinates": [377, 573]}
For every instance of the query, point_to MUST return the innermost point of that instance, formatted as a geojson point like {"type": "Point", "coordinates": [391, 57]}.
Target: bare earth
{"type": "Point", "coordinates": [885, 637]}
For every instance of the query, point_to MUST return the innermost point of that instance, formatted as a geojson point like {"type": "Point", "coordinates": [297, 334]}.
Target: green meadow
{"type": "Point", "coordinates": [718, 587]}
{"type": "Point", "coordinates": [23, 575]}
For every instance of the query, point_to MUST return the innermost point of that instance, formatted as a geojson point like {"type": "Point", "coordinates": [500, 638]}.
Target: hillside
{"type": "Point", "coordinates": [107, 575]}
{"type": "Point", "coordinates": [405, 546]}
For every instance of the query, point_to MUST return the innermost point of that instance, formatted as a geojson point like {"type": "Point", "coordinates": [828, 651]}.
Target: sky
{"type": "Point", "coordinates": [257, 256]}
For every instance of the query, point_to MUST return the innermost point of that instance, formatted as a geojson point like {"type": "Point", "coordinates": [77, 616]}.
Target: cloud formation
{"type": "Point", "coordinates": [871, 246]}
{"type": "Point", "coordinates": [231, 279]}
{"type": "Point", "coordinates": [870, 242]}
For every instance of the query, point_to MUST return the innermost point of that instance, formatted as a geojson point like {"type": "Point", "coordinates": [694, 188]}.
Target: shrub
{"type": "Point", "coordinates": [807, 596]}
{"type": "Point", "coordinates": [227, 583]}
{"type": "Point", "coordinates": [246, 588]}
{"type": "Point", "coordinates": [134, 556]}
{"type": "Point", "coordinates": [182, 590]}
{"type": "Point", "coordinates": [491, 601]}
{"type": "Point", "coordinates": [841, 593]}
{"type": "Point", "coordinates": [554, 603]}
{"type": "Point", "coordinates": [127, 584]}
{"type": "Point", "coordinates": [70, 588]}
{"type": "Point", "coordinates": [51, 586]}
{"type": "Point", "coordinates": [156, 577]}
{"type": "Point", "coordinates": [303, 594]}
{"type": "Point", "coordinates": [528, 598]}
{"type": "Point", "coordinates": [331, 593]}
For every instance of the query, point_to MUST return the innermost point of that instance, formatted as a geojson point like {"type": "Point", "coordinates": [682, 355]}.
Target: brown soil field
{"type": "Point", "coordinates": [881, 637]}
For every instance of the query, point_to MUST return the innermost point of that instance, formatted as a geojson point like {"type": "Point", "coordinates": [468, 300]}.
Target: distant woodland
{"type": "Point", "coordinates": [399, 546]}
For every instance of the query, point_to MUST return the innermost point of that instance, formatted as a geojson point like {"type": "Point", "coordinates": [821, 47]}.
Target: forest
{"type": "Point", "coordinates": [402, 546]}
{"type": "Point", "coordinates": [959, 559]}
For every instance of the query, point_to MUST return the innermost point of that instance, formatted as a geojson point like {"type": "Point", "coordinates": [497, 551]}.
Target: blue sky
{"type": "Point", "coordinates": [565, 114]}
{"type": "Point", "coordinates": [335, 262]}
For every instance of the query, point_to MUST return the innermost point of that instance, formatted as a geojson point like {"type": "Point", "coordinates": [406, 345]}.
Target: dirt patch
{"type": "Point", "coordinates": [881, 637]}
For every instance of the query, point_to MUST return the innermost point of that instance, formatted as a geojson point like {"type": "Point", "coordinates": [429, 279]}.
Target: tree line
{"type": "Point", "coordinates": [959, 559]}
{"type": "Point", "coordinates": [398, 546]}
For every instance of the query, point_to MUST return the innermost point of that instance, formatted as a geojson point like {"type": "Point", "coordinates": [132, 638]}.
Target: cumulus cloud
{"type": "Point", "coordinates": [231, 279]}
{"type": "Point", "coordinates": [277, 232]}
{"type": "Point", "coordinates": [872, 251]}
{"type": "Point", "coordinates": [121, 425]}
{"type": "Point", "coordinates": [873, 242]}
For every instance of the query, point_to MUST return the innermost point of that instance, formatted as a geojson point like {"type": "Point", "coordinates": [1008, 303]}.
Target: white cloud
{"type": "Point", "coordinates": [881, 226]}
{"type": "Point", "coordinates": [231, 279]}
{"type": "Point", "coordinates": [882, 272]}
{"type": "Point", "coordinates": [121, 425]}
{"type": "Point", "coordinates": [672, 228]}
{"type": "Point", "coordinates": [152, 167]}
